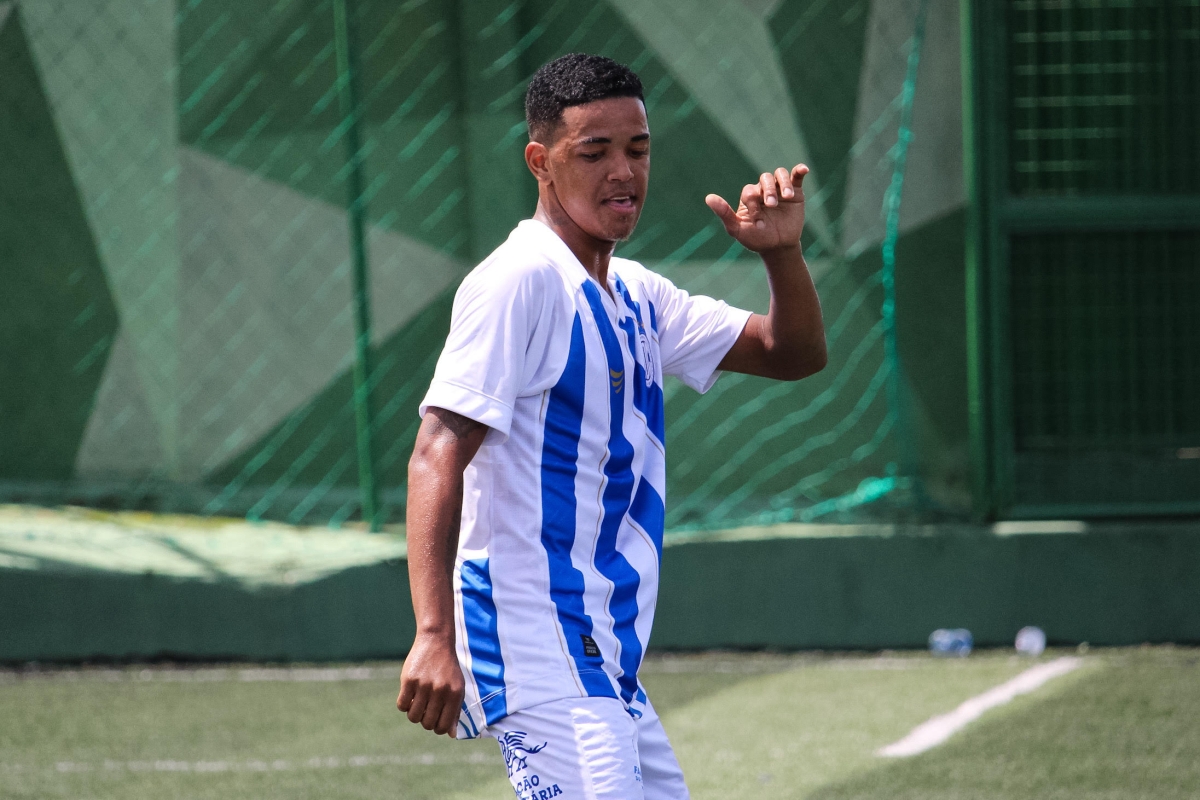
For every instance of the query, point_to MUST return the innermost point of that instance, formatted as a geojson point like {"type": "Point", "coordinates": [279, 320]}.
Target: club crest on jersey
{"type": "Point", "coordinates": [647, 354]}
{"type": "Point", "coordinates": [645, 349]}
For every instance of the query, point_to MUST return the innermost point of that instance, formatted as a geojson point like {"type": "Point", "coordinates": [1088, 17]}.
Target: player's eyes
{"type": "Point", "coordinates": [591, 156]}
{"type": "Point", "coordinates": [642, 153]}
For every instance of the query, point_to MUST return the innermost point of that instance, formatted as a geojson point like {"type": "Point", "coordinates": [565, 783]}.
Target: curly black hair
{"type": "Point", "coordinates": [572, 80]}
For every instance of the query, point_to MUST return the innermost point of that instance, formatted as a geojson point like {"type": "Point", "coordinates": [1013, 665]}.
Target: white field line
{"type": "Point", "coordinates": [934, 731]}
{"type": "Point", "coordinates": [206, 675]}
{"type": "Point", "coordinates": [253, 765]}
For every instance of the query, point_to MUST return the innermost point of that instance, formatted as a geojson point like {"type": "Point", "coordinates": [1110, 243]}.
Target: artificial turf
{"type": "Point", "coordinates": [744, 726]}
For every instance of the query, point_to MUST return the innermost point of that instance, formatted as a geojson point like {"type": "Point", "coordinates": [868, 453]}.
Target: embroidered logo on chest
{"type": "Point", "coordinates": [646, 354]}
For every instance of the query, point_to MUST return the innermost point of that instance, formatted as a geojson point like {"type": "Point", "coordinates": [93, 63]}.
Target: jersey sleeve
{"type": "Point", "coordinates": [694, 332]}
{"type": "Point", "coordinates": [486, 362]}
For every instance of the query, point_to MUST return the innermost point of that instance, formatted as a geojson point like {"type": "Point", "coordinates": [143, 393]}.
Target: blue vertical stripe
{"type": "Point", "coordinates": [649, 512]}
{"type": "Point", "coordinates": [483, 640]}
{"type": "Point", "coordinates": [560, 456]}
{"type": "Point", "coordinates": [618, 492]}
{"type": "Point", "coordinates": [647, 394]}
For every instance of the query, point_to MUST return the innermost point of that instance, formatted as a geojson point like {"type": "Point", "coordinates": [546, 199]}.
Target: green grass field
{"type": "Point", "coordinates": [1125, 725]}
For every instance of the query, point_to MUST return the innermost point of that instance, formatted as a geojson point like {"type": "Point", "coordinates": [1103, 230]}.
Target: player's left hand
{"type": "Point", "coordinates": [432, 685]}
{"type": "Point", "coordinates": [770, 214]}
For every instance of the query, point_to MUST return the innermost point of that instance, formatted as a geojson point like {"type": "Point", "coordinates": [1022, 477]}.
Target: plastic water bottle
{"type": "Point", "coordinates": [1031, 641]}
{"type": "Point", "coordinates": [951, 642]}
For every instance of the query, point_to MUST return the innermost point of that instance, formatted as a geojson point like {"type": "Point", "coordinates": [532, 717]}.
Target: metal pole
{"type": "Point", "coordinates": [347, 68]}
{"type": "Point", "coordinates": [978, 344]}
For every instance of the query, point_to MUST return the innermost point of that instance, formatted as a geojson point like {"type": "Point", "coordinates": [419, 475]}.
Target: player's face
{"type": "Point", "coordinates": [600, 165]}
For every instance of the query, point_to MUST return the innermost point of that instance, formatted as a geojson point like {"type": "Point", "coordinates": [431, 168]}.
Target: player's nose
{"type": "Point", "coordinates": [622, 170]}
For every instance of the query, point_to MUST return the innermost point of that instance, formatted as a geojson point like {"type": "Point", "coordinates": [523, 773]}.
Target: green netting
{"type": "Point", "coordinates": [240, 223]}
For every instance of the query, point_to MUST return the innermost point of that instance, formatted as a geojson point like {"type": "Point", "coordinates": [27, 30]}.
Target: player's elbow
{"type": "Point", "coordinates": [429, 460]}
{"type": "Point", "coordinates": [818, 359]}
{"type": "Point", "coordinates": [801, 362]}
{"type": "Point", "coordinates": [419, 465]}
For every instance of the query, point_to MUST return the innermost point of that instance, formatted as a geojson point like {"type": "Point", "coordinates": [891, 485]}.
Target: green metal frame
{"type": "Point", "coordinates": [356, 212]}
{"type": "Point", "coordinates": [994, 216]}
{"type": "Point", "coordinates": [979, 161]}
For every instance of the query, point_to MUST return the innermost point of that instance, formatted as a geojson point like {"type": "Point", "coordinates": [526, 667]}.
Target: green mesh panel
{"type": "Point", "coordinates": [1106, 337]}
{"type": "Point", "coordinates": [1104, 96]}
{"type": "Point", "coordinates": [1106, 340]}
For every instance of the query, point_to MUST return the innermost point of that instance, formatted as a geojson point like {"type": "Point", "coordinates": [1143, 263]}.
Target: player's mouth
{"type": "Point", "coordinates": [622, 203]}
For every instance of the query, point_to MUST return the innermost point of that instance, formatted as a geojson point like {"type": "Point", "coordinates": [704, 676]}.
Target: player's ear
{"type": "Point", "coordinates": [537, 157]}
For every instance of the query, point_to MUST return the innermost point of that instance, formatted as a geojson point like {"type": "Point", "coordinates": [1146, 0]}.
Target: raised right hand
{"type": "Point", "coordinates": [770, 213]}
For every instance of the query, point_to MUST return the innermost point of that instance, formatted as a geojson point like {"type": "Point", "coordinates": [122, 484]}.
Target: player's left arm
{"type": "Point", "coordinates": [788, 343]}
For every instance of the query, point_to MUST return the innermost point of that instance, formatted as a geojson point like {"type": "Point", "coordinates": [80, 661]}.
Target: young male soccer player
{"type": "Point", "coordinates": [536, 490]}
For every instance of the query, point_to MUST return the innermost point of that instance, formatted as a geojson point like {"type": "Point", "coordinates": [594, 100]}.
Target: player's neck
{"type": "Point", "coordinates": [594, 254]}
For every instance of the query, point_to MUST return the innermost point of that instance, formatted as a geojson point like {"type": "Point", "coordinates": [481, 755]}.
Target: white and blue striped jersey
{"type": "Point", "coordinates": [562, 522]}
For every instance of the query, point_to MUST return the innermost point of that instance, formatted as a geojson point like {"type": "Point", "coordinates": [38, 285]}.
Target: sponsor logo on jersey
{"type": "Point", "coordinates": [516, 752]}
{"type": "Point", "coordinates": [529, 788]}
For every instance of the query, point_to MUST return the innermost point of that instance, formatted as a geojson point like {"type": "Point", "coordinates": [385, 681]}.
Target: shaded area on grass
{"type": "Point", "coordinates": [673, 681]}
{"type": "Point", "coordinates": [209, 733]}
{"type": "Point", "coordinates": [88, 723]}
{"type": "Point", "coordinates": [1126, 730]}
{"type": "Point", "coordinates": [781, 735]}
{"type": "Point", "coordinates": [762, 726]}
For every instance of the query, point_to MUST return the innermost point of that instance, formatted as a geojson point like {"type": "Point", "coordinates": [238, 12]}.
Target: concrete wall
{"type": "Point", "coordinates": [833, 587]}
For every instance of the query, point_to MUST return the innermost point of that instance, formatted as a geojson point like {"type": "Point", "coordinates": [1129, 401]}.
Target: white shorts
{"type": "Point", "coordinates": [588, 748]}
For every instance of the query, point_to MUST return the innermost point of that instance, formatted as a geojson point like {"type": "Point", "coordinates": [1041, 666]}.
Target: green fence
{"type": "Point", "coordinates": [234, 230]}
{"type": "Point", "coordinates": [1088, 296]}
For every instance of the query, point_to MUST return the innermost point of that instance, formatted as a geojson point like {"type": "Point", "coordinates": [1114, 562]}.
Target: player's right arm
{"type": "Point", "coordinates": [431, 683]}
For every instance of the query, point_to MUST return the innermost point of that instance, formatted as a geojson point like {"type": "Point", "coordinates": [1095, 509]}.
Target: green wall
{"type": "Point", "coordinates": [360, 613]}
{"type": "Point", "coordinates": [1121, 585]}
{"type": "Point", "coordinates": [832, 588]}
{"type": "Point", "coordinates": [57, 318]}
{"type": "Point", "coordinates": [178, 331]}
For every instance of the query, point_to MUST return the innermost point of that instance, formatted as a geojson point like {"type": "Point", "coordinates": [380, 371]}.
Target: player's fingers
{"type": "Point", "coordinates": [770, 192]}
{"type": "Point", "coordinates": [433, 710]}
{"type": "Point", "coordinates": [448, 722]}
{"type": "Point", "coordinates": [752, 198]}
{"type": "Point", "coordinates": [753, 201]}
{"type": "Point", "coordinates": [407, 692]}
{"type": "Point", "coordinates": [783, 177]}
{"type": "Point", "coordinates": [798, 173]}
{"type": "Point", "coordinates": [723, 211]}
{"type": "Point", "coordinates": [416, 710]}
